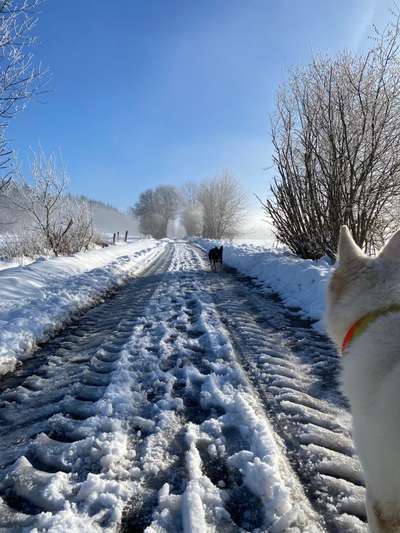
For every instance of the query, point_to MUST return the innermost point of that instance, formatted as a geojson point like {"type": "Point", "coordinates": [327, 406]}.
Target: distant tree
{"type": "Point", "coordinates": [167, 201]}
{"type": "Point", "coordinates": [145, 211]}
{"type": "Point", "coordinates": [336, 138]}
{"type": "Point", "coordinates": [190, 193]}
{"type": "Point", "coordinates": [223, 206]}
{"type": "Point", "coordinates": [63, 222]}
{"type": "Point", "coordinates": [20, 80]}
{"type": "Point", "coordinates": [191, 211]}
{"type": "Point", "coordinates": [192, 219]}
{"type": "Point", "coordinates": [155, 209]}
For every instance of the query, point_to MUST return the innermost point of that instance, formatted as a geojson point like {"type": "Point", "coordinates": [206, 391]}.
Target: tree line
{"type": "Point", "coordinates": [212, 209]}
{"type": "Point", "coordinates": [50, 220]}
{"type": "Point", "coordinates": [335, 133]}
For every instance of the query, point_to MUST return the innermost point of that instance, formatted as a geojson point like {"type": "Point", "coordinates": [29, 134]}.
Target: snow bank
{"type": "Point", "coordinates": [301, 283]}
{"type": "Point", "coordinates": [37, 299]}
{"type": "Point", "coordinates": [21, 261]}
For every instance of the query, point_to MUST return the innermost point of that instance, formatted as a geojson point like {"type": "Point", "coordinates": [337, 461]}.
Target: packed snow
{"type": "Point", "coordinates": [38, 299]}
{"type": "Point", "coordinates": [301, 283]}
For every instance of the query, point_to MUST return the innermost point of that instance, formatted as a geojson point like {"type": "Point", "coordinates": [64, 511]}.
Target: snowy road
{"type": "Point", "coordinates": [189, 401]}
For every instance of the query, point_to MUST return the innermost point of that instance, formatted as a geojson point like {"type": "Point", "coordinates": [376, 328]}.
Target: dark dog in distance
{"type": "Point", "coordinates": [215, 257]}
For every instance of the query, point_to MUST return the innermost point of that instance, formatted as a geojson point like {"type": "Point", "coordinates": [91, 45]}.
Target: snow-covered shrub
{"type": "Point", "coordinates": [336, 139]}
{"type": "Point", "coordinates": [24, 244]}
{"type": "Point", "coordinates": [62, 222]}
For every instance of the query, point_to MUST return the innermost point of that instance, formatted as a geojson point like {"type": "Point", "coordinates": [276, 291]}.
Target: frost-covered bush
{"type": "Point", "coordinates": [61, 222]}
{"type": "Point", "coordinates": [18, 245]}
{"type": "Point", "coordinates": [336, 140]}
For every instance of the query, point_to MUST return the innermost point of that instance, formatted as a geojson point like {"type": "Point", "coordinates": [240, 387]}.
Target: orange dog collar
{"type": "Point", "coordinates": [362, 324]}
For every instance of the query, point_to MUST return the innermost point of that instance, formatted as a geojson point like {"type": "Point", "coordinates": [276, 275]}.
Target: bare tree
{"type": "Point", "coordinates": [191, 212]}
{"type": "Point", "coordinates": [190, 193]}
{"type": "Point", "coordinates": [155, 209]}
{"type": "Point", "coordinates": [192, 219]}
{"type": "Point", "coordinates": [336, 138]}
{"type": "Point", "coordinates": [20, 80]}
{"type": "Point", "coordinates": [167, 202]}
{"type": "Point", "coordinates": [64, 222]}
{"type": "Point", "coordinates": [81, 233]}
{"type": "Point", "coordinates": [143, 211]}
{"type": "Point", "coordinates": [224, 207]}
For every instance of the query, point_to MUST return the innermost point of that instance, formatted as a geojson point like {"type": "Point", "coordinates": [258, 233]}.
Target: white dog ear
{"type": "Point", "coordinates": [348, 249]}
{"type": "Point", "coordinates": [392, 247]}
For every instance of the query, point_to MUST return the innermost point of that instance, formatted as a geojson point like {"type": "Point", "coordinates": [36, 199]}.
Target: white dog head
{"type": "Point", "coordinates": [361, 284]}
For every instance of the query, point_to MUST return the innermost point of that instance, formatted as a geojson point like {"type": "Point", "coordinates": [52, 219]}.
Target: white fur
{"type": "Point", "coordinates": [371, 369]}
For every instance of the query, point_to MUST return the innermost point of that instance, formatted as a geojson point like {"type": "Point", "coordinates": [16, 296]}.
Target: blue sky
{"type": "Point", "coordinates": [165, 91]}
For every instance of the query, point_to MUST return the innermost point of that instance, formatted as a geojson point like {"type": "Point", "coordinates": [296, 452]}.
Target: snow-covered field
{"type": "Point", "coordinates": [188, 402]}
{"type": "Point", "coordinates": [300, 283]}
{"type": "Point", "coordinates": [37, 299]}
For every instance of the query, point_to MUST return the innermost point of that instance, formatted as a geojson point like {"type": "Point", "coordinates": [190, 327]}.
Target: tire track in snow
{"type": "Point", "coordinates": [231, 474]}
{"type": "Point", "coordinates": [294, 370]}
{"type": "Point", "coordinates": [64, 450]}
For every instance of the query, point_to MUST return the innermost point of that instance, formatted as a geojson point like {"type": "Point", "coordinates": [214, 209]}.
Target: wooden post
{"type": "Point", "coordinates": [126, 236]}
{"type": "Point", "coordinates": [114, 238]}
{"type": "Point", "coordinates": [117, 235]}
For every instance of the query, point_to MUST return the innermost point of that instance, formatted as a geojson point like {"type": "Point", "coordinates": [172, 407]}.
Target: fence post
{"type": "Point", "coordinates": [126, 236]}
{"type": "Point", "coordinates": [114, 238]}
{"type": "Point", "coordinates": [117, 235]}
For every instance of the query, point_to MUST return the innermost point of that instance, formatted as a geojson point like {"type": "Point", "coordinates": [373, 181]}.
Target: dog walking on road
{"type": "Point", "coordinates": [215, 257]}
